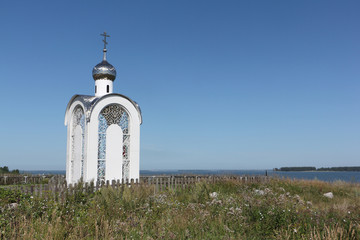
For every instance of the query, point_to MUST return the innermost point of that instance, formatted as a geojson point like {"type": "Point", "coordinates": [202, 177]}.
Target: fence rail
{"type": "Point", "coordinates": [58, 187]}
{"type": "Point", "coordinates": [23, 179]}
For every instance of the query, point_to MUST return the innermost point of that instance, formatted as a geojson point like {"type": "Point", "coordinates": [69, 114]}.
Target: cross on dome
{"type": "Point", "coordinates": [105, 42]}
{"type": "Point", "coordinates": [104, 70]}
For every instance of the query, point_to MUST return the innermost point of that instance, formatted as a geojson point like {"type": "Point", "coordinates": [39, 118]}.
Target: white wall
{"type": "Point", "coordinates": [101, 87]}
{"type": "Point", "coordinates": [76, 165]}
{"type": "Point", "coordinates": [69, 115]}
{"type": "Point", "coordinates": [114, 150]}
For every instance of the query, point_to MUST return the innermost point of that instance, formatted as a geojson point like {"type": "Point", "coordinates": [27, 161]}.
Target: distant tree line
{"type": "Point", "coordinates": [287, 169]}
{"type": "Point", "coordinates": [353, 169]}
{"type": "Point", "coordinates": [5, 169]}
{"type": "Point", "coordinates": [301, 169]}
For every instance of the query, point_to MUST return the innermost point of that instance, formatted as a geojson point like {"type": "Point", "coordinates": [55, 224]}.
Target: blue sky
{"type": "Point", "coordinates": [221, 84]}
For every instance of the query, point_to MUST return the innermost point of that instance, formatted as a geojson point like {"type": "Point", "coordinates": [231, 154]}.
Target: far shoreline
{"type": "Point", "coordinates": [321, 169]}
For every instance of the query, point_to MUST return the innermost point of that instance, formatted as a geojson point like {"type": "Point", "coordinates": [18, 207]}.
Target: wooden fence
{"type": "Point", "coordinates": [58, 188]}
{"type": "Point", "coordinates": [23, 179]}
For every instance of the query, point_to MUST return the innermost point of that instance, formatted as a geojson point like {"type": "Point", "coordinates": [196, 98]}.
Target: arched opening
{"type": "Point", "coordinates": [107, 88]}
{"type": "Point", "coordinates": [77, 144]}
{"type": "Point", "coordinates": [113, 139]}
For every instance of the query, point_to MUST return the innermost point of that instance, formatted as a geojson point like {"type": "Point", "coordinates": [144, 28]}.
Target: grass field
{"type": "Point", "coordinates": [278, 209]}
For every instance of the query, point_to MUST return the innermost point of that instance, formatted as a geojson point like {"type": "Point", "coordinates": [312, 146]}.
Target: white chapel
{"type": "Point", "coordinates": [103, 131]}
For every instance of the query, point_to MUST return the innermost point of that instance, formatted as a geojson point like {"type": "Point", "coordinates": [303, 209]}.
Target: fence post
{"type": "Point", "coordinates": [127, 182]}
{"type": "Point", "coordinates": [97, 185]}
{"type": "Point", "coordinates": [70, 189]}
{"type": "Point", "coordinates": [156, 185]}
{"type": "Point", "coordinates": [35, 190]}
{"type": "Point", "coordinates": [91, 187]}
{"type": "Point", "coordinates": [60, 192]}
{"type": "Point", "coordinates": [41, 190]}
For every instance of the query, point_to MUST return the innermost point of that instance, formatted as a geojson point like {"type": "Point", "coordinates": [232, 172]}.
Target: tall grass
{"type": "Point", "coordinates": [278, 209]}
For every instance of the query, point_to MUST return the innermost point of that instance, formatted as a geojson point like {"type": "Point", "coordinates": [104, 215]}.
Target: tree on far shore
{"type": "Point", "coordinates": [5, 169]}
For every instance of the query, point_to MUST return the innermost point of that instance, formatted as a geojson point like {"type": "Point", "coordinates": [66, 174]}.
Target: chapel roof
{"type": "Point", "coordinates": [104, 71]}
{"type": "Point", "coordinates": [89, 103]}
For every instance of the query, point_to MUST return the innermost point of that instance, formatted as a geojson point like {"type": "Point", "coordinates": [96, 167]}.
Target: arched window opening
{"type": "Point", "coordinates": [113, 114]}
{"type": "Point", "coordinates": [107, 88]}
{"type": "Point", "coordinates": [77, 143]}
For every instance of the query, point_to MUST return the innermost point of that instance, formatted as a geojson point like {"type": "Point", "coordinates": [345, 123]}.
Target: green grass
{"type": "Point", "coordinates": [279, 209]}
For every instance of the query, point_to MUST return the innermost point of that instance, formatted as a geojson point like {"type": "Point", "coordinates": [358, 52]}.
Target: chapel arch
{"type": "Point", "coordinates": [77, 144]}
{"type": "Point", "coordinates": [113, 143]}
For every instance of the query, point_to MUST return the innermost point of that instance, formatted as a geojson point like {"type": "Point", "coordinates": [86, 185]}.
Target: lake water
{"type": "Point", "coordinates": [323, 176]}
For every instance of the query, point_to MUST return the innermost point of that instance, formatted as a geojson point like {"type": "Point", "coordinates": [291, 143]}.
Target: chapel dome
{"type": "Point", "coordinates": [104, 70]}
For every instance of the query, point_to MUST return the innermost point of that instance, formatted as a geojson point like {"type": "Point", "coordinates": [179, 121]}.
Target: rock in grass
{"type": "Point", "coordinates": [259, 192]}
{"type": "Point", "coordinates": [329, 195]}
{"type": "Point", "coordinates": [13, 205]}
{"type": "Point", "coordinates": [213, 195]}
